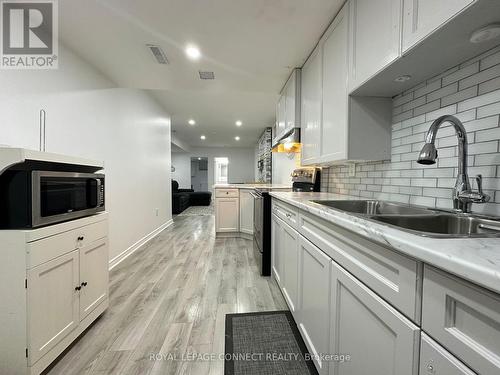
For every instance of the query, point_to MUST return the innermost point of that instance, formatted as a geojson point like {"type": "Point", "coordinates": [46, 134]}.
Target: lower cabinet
{"type": "Point", "coordinates": [435, 360]}
{"type": "Point", "coordinates": [314, 301]}
{"type": "Point", "coordinates": [246, 211]}
{"type": "Point", "coordinates": [378, 339]}
{"type": "Point", "coordinates": [227, 214]}
{"type": "Point", "coordinates": [94, 276]}
{"type": "Point", "coordinates": [285, 260]}
{"type": "Point", "coordinates": [53, 303]}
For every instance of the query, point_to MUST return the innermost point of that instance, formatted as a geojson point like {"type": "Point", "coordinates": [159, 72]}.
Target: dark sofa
{"type": "Point", "coordinates": [183, 198]}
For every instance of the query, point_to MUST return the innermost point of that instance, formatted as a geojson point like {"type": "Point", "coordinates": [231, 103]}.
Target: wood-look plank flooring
{"type": "Point", "coordinates": [170, 298]}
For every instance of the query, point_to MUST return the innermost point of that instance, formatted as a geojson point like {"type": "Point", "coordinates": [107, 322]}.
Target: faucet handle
{"type": "Point", "coordinates": [479, 182]}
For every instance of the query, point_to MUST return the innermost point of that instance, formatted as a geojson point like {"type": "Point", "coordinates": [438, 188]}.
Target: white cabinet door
{"type": "Point", "coordinates": [377, 337]}
{"type": "Point", "coordinates": [375, 37]}
{"type": "Point", "coordinates": [435, 360]}
{"type": "Point", "coordinates": [227, 214]}
{"type": "Point", "coordinates": [52, 303]}
{"type": "Point", "coordinates": [314, 301]}
{"type": "Point", "coordinates": [290, 103]}
{"type": "Point", "coordinates": [422, 17]}
{"type": "Point", "coordinates": [94, 260]}
{"type": "Point", "coordinates": [311, 108]}
{"type": "Point", "coordinates": [335, 98]}
{"type": "Point", "coordinates": [276, 249]}
{"type": "Point", "coordinates": [246, 212]}
{"type": "Point", "coordinates": [290, 250]}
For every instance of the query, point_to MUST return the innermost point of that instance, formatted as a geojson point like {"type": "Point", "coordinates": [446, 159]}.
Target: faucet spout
{"type": "Point", "coordinates": [462, 192]}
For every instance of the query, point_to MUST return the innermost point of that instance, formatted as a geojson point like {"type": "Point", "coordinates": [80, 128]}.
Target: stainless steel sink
{"type": "Point", "coordinates": [419, 220]}
{"type": "Point", "coordinates": [444, 225]}
{"type": "Point", "coordinates": [374, 207]}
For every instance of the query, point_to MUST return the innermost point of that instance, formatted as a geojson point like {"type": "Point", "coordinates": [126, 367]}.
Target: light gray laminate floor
{"type": "Point", "coordinates": [170, 298]}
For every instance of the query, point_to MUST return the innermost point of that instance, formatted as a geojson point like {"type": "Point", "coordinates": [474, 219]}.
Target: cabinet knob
{"type": "Point", "coordinates": [430, 368]}
{"type": "Point", "coordinates": [81, 238]}
{"type": "Point", "coordinates": [78, 288]}
{"type": "Point", "coordinates": [84, 283]}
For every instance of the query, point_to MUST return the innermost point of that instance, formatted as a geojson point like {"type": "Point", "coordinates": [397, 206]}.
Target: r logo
{"type": "Point", "coordinates": [29, 33]}
{"type": "Point", "coordinates": [27, 28]}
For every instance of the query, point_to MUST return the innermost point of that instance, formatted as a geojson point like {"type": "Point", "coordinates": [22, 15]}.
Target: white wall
{"type": "Point", "coordinates": [241, 164]}
{"type": "Point", "coordinates": [283, 166]}
{"type": "Point", "coordinates": [87, 117]}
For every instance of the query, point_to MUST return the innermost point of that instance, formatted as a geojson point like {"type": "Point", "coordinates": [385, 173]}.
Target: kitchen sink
{"type": "Point", "coordinates": [444, 225]}
{"type": "Point", "coordinates": [419, 220]}
{"type": "Point", "coordinates": [374, 207]}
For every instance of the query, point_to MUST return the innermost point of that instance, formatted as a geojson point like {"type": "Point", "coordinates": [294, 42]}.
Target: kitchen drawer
{"type": "Point", "coordinates": [289, 214]}
{"type": "Point", "coordinates": [43, 250]}
{"type": "Point", "coordinates": [464, 318]}
{"type": "Point", "coordinates": [227, 193]}
{"type": "Point", "coordinates": [393, 276]}
{"type": "Point", "coordinates": [435, 360]}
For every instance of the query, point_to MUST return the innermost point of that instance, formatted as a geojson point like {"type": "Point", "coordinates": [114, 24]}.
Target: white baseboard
{"type": "Point", "coordinates": [125, 254]}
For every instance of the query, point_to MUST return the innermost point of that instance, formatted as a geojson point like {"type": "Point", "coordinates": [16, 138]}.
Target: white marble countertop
{"type": "Point", "coordinates": [475, 259]}
{"type": "Point", "coordinates": [252, 186]}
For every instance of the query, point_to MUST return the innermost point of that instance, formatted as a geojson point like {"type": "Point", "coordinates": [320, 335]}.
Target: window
{"type": "Point", "coordinates": [221, 168]}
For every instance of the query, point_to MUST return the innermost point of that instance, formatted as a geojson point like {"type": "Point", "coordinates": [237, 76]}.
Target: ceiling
{"type": "Point", "coordinates": [250, 45]}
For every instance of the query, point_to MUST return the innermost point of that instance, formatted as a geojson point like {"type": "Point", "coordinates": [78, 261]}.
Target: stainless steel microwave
{"type": "Point", "coordinates": [32, 199]}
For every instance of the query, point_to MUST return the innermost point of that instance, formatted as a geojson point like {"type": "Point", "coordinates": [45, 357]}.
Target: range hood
{"type": "Point", "coordinates": [289, 142]}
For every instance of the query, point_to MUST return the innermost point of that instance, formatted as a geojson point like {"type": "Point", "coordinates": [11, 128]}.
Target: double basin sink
{"type": "Point", "coordinates": [419, 220]}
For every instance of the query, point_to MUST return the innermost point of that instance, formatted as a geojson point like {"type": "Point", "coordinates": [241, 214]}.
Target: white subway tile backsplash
{"type": "Point", "coordinates": [488, 110]}
{"type": "Point", "coordinates": [471, 92]}
{"type": "Point", "coordinates": [445, 91]}
{"type": "Point", "coordinates": [431, 86]}
{"type": "Point", "coordinates": [460, 96]}
{"type": "Point", "coordinates": [480, 100]}
{"type": "Point", "coordinates": [461, 73]}
{"type": "Point", "coordinates": [483, 76]}
{"type": "Point", "coordinates": [490, 60]}
{"type": "Point", "coordinates": [486, 135]}
{"type": "Point", "coordinates": [491, 85]}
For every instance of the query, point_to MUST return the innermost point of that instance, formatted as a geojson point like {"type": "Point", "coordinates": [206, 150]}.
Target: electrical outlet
{"type": "Point", "coordinates": [352, 170]}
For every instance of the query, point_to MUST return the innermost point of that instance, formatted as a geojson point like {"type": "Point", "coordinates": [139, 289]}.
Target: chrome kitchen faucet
{"type": "Point", "coordinates": [463, 195]}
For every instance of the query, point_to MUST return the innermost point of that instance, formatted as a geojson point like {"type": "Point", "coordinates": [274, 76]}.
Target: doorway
{"type": "Point", "coordinates": [199, 173]}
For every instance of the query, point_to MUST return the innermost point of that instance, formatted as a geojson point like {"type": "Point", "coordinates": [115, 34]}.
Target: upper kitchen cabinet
{"type": "Point", "coordinates": [422, 17]}
{"type": "Point", "coordinates": [311, 107]}
{"type": "Point", "coordinates": [335, 126]}
{"type": "Point", "coordinates": [374, 37]}
{"type": "Point", "coordinates": [288, 107]}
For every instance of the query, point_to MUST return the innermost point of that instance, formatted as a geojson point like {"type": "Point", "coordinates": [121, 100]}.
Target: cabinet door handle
{"type": "Point", "coordinates": [81, 238]}
{"type": "Point", "coordinates": [78, 288]}
{"type": "Point", "coordinates": [84, 283]}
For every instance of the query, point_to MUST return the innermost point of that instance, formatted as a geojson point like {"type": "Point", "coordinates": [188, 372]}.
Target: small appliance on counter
{"type": "Point", "coordinates": [304, 180]}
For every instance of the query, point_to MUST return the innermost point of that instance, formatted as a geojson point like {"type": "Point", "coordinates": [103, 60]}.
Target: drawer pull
{"type": "Point", "coordinates": [81, 238]}
{"type": "Point", "coordinates": [288, 215]}
{"type": "Point", "coordinates": [84, 283]}
{"type": "Point", "coordinates": [78, 288]}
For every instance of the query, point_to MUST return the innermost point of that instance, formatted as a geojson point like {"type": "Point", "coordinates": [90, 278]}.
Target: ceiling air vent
{"type": "Point", "coordinates": [158, 54]}
{"type": "Point", "coordinates": [207, 75]}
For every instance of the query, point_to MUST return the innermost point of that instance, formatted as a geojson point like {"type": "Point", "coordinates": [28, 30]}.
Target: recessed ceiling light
{"type": "Point", "coordinates": [485, 33]}
{"type": "Point", "coordinates": [199, 158]}
{"type": "Point", "coordinates": [193, 52]}
{"type": "Point", "coordinates": [203, 137]}
{"type": "Point", "coordinates": [403, 78]}
{"type": "Point", "coordinates": [191, 122]}
{"type": "Point", "coordinates": [239, 123]}
{"type": "Point", "coordinates": [237, 138]}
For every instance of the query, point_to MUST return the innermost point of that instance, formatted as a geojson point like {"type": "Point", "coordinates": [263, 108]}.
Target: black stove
{"type": "Point", "coordinates": [304, 180]}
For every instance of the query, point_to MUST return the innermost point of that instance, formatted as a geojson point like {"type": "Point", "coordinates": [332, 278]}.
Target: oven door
{"type": "Point", "coordinates": [258, 219]}
{"type": "Point", "coordinates": [62, 196]}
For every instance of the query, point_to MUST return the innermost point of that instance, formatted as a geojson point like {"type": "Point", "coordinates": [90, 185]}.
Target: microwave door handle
{"type": "Point", "coordinates": [98, 192]}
